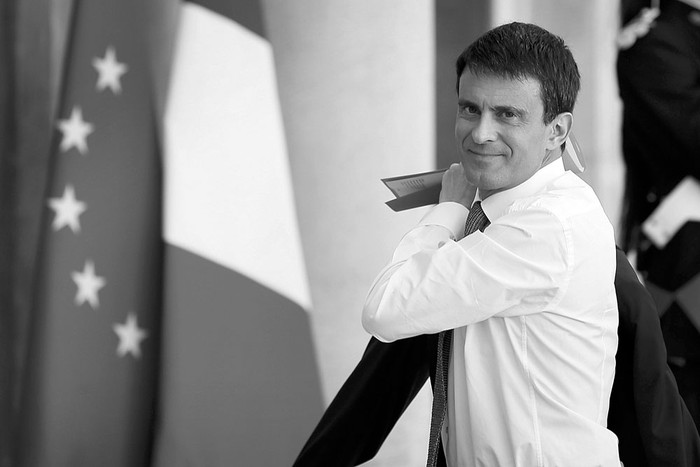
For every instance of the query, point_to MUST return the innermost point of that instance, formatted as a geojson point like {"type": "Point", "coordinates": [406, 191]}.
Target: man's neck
{"type": "Point", "coordinates": [551, 156]}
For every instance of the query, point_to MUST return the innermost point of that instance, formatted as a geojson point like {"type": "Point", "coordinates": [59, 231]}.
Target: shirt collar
{"type": "Point", "coordinates": [495, 205]}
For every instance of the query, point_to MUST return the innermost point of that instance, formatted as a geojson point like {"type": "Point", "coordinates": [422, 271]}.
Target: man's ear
{"type": "Point", "coordinates": [559, 129]}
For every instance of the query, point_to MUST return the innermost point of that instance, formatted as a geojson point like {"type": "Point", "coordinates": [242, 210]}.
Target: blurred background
{"type": "Point", "coordinates": [192, 213]}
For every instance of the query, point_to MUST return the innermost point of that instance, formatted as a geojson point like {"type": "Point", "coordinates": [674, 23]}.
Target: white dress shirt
{"type": "Point", "coordinates": [533, 307]}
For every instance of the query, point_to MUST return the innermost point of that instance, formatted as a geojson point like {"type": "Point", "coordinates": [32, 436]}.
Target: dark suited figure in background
{"type": "Point", "coordinates": [659, 80]}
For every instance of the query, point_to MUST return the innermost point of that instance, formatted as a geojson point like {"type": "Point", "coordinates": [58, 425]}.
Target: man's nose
{"type": "Point", "coordinates": [484, 131]}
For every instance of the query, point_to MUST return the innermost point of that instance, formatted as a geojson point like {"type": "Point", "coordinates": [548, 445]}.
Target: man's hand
{"type": "Point", "coordinates": [456, 188]}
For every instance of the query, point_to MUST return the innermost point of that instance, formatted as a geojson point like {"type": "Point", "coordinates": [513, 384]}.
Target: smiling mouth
{"type": "Point", "coordinates": [483, 154]}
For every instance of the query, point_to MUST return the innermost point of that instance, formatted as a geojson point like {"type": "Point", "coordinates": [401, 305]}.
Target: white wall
{"type": "Point", "coordinates": [357, 93]}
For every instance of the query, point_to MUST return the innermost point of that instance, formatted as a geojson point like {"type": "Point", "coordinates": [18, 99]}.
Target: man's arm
{"type": "Point", "coordinates": [438, 280]}
{"type": "Point", "coordinates": [370, 402]}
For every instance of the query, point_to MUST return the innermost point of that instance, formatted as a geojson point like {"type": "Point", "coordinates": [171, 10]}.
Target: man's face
{"type": "Point", "coordinates": [499, 131]}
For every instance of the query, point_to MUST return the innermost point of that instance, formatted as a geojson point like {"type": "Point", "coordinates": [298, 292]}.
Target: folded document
{"type": "Point", "coordinates": [412, 191]}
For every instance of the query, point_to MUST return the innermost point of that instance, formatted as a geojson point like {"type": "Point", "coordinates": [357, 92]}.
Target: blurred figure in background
{"type": "Point", "coordinates": [658, 71]}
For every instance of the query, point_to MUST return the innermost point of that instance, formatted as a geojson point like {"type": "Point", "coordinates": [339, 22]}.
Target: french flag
{"type": "Point", "coordinates": [239, 381]}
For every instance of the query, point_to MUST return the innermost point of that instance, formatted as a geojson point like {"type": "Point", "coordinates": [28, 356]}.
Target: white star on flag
{"type": "Point", "coordinates": [88, 285]}
{"type": "Point", "coordinates": [67, 209]}
{"type": "Point", "coordinates": [75, 131]}
{"type": "Point", "coordinates": [130, 337]}
{"type": "Point", "coordinates": [110, 71]}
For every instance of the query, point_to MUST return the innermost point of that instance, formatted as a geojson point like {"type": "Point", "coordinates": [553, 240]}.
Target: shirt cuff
{"type": "Point", "coordinates": [450, 215]}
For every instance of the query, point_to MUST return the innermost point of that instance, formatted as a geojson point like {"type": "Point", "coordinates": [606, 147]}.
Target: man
{"type": "Point", "coordinates": [659, 80]}
{"type": "Point", "coordinates": [528, 304]}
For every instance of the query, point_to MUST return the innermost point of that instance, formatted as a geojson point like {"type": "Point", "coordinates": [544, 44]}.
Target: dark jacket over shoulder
{"type": "Point", "coordinates": [646, 411]}
{"type": "Point", "coordinates": [370, 402]}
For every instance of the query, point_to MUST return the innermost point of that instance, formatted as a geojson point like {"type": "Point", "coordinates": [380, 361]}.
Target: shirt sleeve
{"type": "Point", "coordinates": [520, 265]}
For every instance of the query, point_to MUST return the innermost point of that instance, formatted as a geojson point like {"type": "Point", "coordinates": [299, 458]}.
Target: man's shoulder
{"type": "Point", "coordinates": [565, 196]}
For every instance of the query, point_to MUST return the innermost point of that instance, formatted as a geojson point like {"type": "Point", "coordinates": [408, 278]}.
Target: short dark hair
{"type": "Point", "coordinates": [521, 50]}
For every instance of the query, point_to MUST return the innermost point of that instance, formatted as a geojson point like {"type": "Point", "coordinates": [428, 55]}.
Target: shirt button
{"type": "Point", "coordinates": [651, 197]}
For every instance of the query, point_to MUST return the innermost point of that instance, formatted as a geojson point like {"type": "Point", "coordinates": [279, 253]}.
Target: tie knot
{"type": "Point", "coordinates": [476, 220]}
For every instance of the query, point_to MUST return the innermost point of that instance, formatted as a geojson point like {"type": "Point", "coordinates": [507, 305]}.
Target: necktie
{"type": "Point", "coordinates": [476, 220]}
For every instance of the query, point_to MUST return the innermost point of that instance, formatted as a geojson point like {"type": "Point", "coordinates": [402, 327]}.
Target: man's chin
{"type": "Point", "coordinates": [483, 179]}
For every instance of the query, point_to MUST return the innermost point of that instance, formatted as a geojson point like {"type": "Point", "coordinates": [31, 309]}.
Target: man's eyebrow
{"type": "Point", "coordinates": [499, 108]}
{"type": "Point", "coordinates": [465, 102]}
{"type": "Point", "coordinates": [510, 108]}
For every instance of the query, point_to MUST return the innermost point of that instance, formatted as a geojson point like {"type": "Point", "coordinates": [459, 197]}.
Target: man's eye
{"type": "Point", "coordinates": [468, 110]}
{"type": "Point", "coordinates": [508, 114]}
